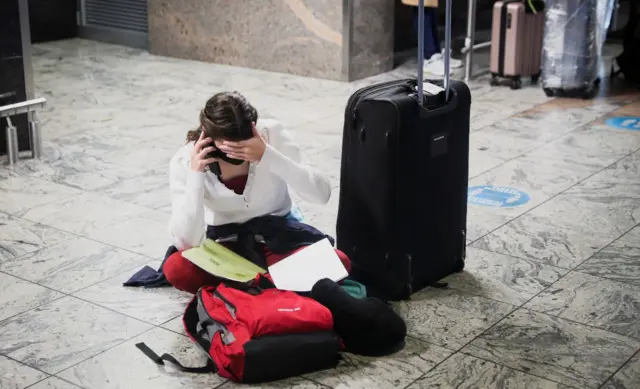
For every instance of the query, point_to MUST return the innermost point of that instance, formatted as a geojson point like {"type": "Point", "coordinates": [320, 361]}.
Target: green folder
{"type": "Point", "coordinates": [218, 260]}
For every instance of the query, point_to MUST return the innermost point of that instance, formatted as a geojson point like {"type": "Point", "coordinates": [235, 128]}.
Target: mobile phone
{"type": "Point", "coordinates": [214, 167]}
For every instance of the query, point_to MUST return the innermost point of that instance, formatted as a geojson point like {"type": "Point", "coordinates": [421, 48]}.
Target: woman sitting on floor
{"type": "Point", "coordinates": [243, 201]}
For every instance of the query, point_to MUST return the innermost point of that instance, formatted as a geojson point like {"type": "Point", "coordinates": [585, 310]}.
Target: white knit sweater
{"type": "Point", "coordinates": [200, 199]}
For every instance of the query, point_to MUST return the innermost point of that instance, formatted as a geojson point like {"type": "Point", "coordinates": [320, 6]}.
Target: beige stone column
{"type": "Point", "coordinates": [334, 39]}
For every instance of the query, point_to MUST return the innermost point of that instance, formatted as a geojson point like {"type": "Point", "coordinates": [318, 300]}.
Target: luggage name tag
{"type": "Point", "coordinates": [432, 89]}
{"type": "Point", "coordinates": [433, 95]}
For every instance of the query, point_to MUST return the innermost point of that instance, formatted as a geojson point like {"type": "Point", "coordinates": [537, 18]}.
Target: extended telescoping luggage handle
{"type": "Point", "coordinates": [447, 50]}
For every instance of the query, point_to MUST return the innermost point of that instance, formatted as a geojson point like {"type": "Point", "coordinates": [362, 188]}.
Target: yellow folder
{"type": "Point", "coordinates": [218, 260]}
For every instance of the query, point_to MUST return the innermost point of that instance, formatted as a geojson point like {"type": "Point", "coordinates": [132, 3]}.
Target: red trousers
{"type": "Point", "coordinates": [186, 276]}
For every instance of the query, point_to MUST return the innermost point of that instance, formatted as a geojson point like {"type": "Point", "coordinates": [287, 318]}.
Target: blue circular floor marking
{"type": "Point", "coordinates": [497, 196]}
{"type": "Point", "coordinates": [625, 122]}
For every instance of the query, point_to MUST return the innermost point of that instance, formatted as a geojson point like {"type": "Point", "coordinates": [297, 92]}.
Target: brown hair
{"type": "Point", "coordinates": [226, 115]}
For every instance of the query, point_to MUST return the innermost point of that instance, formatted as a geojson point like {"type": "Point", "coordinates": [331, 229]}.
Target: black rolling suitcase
{"type": "Point", "coordinates": [403, 187]}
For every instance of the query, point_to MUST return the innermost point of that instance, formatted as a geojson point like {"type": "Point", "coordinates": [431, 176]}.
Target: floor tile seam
{"type": "Point", "coordinates": [14, 214]}
{"type": "Point", "coordinates": [27, 365]}
{"type": "Point", "coordinates": [553, 197]}
{"type": "Point", "coordinates": [146, 209]}
{"type": "Point", "coordinates": [430, 370]}
{"type": "Point", "coordinates": [423, 374]}
{"type": "Point", "coordinates": [564, 275]}
{"type": "Point", "coordinates": [71, 293]}
{"type": "Point", "coordinates": [522, 307]}
{"type": "Point", "coordinates": [172, 331]}
{"type": "Point", "coordinates": [73, 296]}
{"type": "Point", "coordinates": [632, 99]}
{"type": "Point", "coordinates": [430, 343]}
{"type": "Point", "coordinates": [500, 364]}
{"type": "Point", "coordinates": [154, 208]}
{"type": "Point", "coordinates": [604, 247]}
{"type": "Point", "coordinates": [168, 321]}
{"type": "Point", "coordinates": [68, 236]}
{"type": "Point", "coordinates": [619, 369]}
{"type": "Point", "coordinates": [290, 128]}
{"type": "Point", "coordinates": [505, 161]}
{"type": "Point", "coordinates": [516, 307]}
{"type": "Point", "coordinates": [113, 310]}
{"type": "Point", "coordinates": [483, 296]}
{"type": "Point", "coordinates": [537, 261]}
{"type": "Point", "coordinates": [56, 377]}
{"type": "Point", "coordinates": [304, 377]}
{"type": "Point", "coordinates": [515, 369]}
{"type": "Point", "coordinates": [568, 270]}
{"type": "Point", "coordinates": [224, 382]}
{"type": "Point", "coordinates": [76, 235]}
{"type": "Point", "coordinates": [607, 278]}
{"type": "Point", "coordinates": [138, 174]}
{"type": "Point", "coordinates": [519, 112]}
{"type": "Point", "coordinates": [63, 158]}
{"type": "Point", "coordinates": [459, 349]}
{"type": "Point", "coordinates": [63, 295]}
{"type": "Point", "coordinates": [44, 180]}
{"type": "Point", "coordinates": [551, 140]}
{"type": "Point", "coordinates": [103, 187]}
{"type": "Point", "coordinates": [629, 337]}
{"type": "Point", "coordinates": [117, 223]}
{"type": "Point", "coordinates": [103, 351]}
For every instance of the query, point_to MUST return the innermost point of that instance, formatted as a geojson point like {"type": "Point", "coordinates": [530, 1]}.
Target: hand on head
{"type": "Point", "coordinates": [250, 150]}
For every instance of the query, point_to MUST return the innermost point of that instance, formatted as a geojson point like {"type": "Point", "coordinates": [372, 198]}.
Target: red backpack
{"type": "Point", "coordinates": [255, 335]}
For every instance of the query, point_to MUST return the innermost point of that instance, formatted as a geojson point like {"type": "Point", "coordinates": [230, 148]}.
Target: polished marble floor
{"type": "Point", "coordinates": [550, 297]}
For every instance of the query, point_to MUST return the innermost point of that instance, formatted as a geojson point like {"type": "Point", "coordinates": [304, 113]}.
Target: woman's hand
{"type": "Point", "coordinates": [199, 160]}
{"type": "Point", "coordinates": [250, 150]}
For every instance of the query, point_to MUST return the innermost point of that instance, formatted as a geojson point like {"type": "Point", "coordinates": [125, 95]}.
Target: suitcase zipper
{"type": "Point", "coordinates": [230, 307]}
{"type": "Point", "coordinates": [350, 113]}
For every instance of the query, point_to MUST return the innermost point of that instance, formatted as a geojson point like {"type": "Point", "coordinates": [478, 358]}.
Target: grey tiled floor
{"type": "Point", "coordinates": [550, 297]}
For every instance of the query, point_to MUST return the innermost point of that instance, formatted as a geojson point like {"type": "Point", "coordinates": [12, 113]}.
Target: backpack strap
{"type": "Point", "coordinates": [210, 367]}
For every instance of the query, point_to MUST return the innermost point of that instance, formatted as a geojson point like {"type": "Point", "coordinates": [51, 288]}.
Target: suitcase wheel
{"type": "Point", "coordinates": [535, 78]}
{"type": "Point", "coordinates": [406, 293]}
{"type": "Point", "coordinates": [459, 267]}
{"type": "Point", "coordinates": [591, 91]}
{"type": "Point", "coordinates": [549, 92]}
{"type": "Point", "coordinates": [494, 80]}
{"type": "Point", "coordinates": [516, 84]}
{"type": "Point", "coordinates": [587, 92]}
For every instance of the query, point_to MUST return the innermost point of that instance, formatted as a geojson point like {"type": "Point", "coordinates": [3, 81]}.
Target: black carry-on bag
{"type": "Point", "coordinates": [403, 186]}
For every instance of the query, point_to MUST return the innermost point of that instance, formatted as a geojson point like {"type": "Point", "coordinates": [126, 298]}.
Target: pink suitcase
{"type": "Point", "coordinates": [516, 41]}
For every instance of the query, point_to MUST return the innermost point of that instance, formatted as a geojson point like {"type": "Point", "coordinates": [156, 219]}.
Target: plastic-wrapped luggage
{"type": "Point", "coordinates": [571, 48]}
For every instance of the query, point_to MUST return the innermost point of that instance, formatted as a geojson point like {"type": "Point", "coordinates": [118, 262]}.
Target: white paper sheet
{"type": "Point", "coordinates": [300, 271]}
